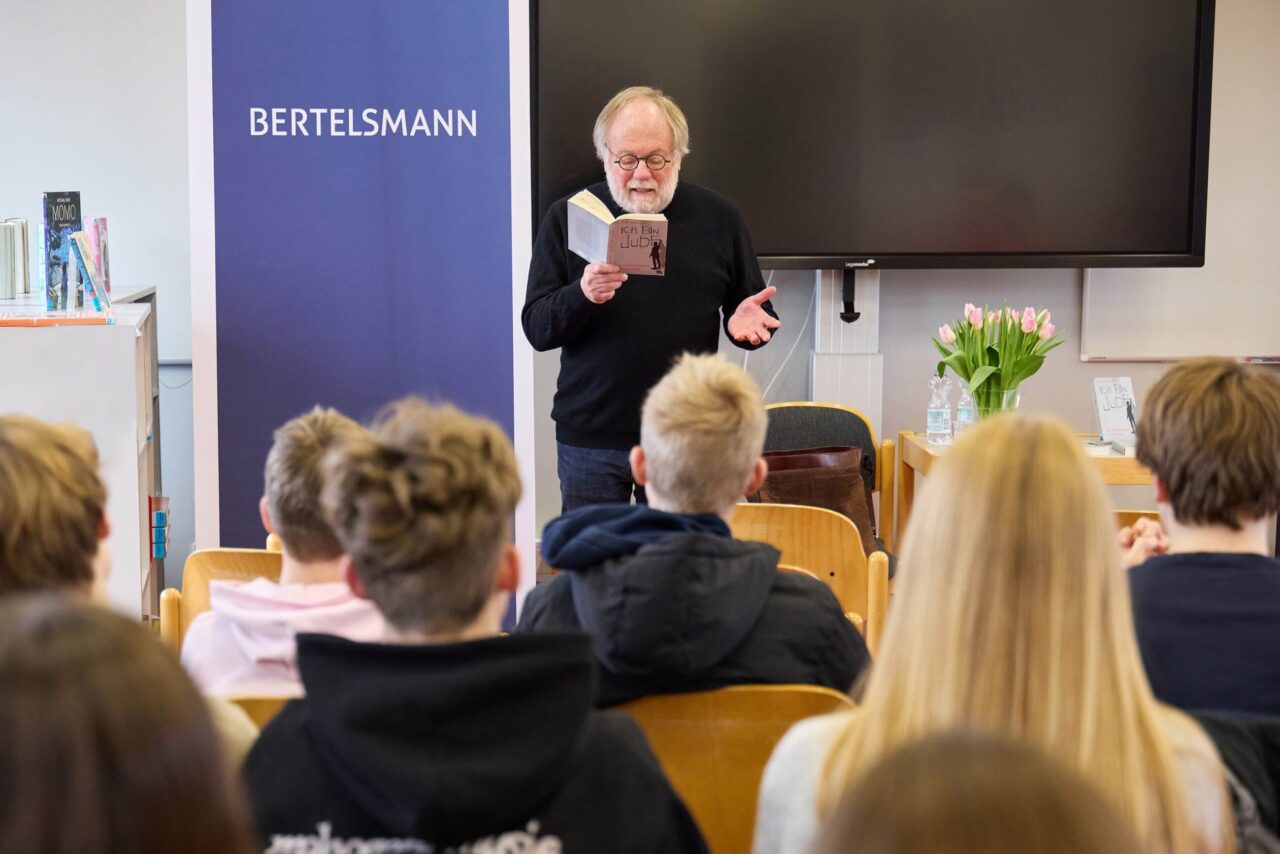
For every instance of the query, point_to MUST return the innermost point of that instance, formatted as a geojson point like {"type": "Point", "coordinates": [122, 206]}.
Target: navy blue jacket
{"type": "Point", "coordinates": [1208, 626]}
{"type": "Point", "coordinates": [674, 603]}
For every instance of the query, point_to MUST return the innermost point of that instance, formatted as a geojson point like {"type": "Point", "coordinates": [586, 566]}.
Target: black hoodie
{"type": "Point", "coordinates": [488, 745]}
{"type": "Point", "coordinates": [674, 603]}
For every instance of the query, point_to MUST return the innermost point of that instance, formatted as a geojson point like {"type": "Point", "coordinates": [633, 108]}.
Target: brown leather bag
{"type": "Point", "coordinates": [829, 477]}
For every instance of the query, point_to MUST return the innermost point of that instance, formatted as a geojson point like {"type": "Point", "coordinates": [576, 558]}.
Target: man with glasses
{"type": "Point", "coordinates": [618, 334]}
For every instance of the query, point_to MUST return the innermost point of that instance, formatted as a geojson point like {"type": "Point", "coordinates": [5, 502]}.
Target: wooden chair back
{"type": "Point", "coordinates": [261, 709]}
{"type": "Point", "coordinates": [1125, 518]}
{"type": "Point", "coordinates": [809, 424]}
{"type": "Point", "coordinates": [827, 545]}
{"type": "Point", "coordinates": [178, 609]}
{"type": "Point", "coordinates": [713, 746]}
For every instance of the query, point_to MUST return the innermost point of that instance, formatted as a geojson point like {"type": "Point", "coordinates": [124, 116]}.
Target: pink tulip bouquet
{"type": "Point", "coordinates": [994, 351]}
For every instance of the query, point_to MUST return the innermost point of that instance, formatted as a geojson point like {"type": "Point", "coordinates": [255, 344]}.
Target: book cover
{"type": "Point", "coordinates": [104, 257]}
{"type": "Point", "coordinates": [8, 261]}
{"type": "Point", "coordinates": [83, 253]}
{"type": "Point", "coordinates": [636, 243]}
{"type": "Point", "coordinates": [95, 230]}
{"type": "Point", "coordinates": [1116, 409]}
{"type": "Point", "coordinates": [61, 218]}
{"type": "Point", "coordinates": [23, 237]}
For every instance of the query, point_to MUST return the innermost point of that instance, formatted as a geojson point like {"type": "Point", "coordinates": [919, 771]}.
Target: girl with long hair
{"type": "Point", "coordinates": [1011, 615]}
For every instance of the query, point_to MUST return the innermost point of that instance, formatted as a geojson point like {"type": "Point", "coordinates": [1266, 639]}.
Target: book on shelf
{"type": "Point", "coordinates": [89, 274]}
{"type": "Point", "coordinates": [635, 243]}
{"type": "Point", "coordinates": [8, 261]}
{"type": "Point", "coordinates": [95, 229]}
{"type": "Point", "coordinates": [61, 220]}
{"type": "Point", "coordinates": [1115, 407]}
{"type": "Point", "coordinates": [68, 317]}
{"type": "Point", "coordinates": [21, 262]}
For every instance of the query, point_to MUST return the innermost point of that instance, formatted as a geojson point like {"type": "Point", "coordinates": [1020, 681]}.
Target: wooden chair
{"type": "Point", "coordinates": [713, 746]}
{"type": "Point", "coordinates": [274, 543]}
{"type": "Point", "coordinates": [261, 709]}
{"type": "Point", "coordinates": [827, 545]}
{"type": "Point", "coordinates": [1125, 518]}
{"type": "Point", "coordinates": [179, 608]}
{"type": "Point", "coordinates": [858, 622]}
{"type": "Point", "coordinates": [804, 424]}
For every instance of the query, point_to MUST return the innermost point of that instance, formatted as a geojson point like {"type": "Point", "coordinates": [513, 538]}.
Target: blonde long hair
{"type": "Point", "coordinates": [1012, 615]}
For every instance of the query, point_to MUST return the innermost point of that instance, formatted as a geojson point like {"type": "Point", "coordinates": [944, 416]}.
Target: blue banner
{"type": "Point", "coordinates": [363, 217]}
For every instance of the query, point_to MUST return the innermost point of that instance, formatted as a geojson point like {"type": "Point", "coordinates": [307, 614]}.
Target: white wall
{"type": "Point", "coordinates": [94, 99]}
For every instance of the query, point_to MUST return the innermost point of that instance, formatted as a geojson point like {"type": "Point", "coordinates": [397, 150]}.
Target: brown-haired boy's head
{"type": "Point", "coordinates": [1210, 432]}
{"type": "Point", "coordinates": [295, 479]}
{"type": "Point", "coordinates": [423, 504]}
{"type": "Point", "coordinates": [52, 507]}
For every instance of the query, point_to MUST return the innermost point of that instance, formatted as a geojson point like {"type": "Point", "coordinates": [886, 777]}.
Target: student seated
{"type": "Point", "coordinates": [1206, 604]}
{"type": "Point", "coordinates": [968, 793]}
{"type": "Point", "coordinates": [446, 736]}
{"type": "Point", "coordinates": [244, 643]}
{"type": "Point", "coordinates": [1011, 615]}
{"type": "Point", "coordinates": [53, 531]}
{"type": "Point", "coordinates": [107, 745]}
{"type": "Point", "coordinates": [674, 602]}
{"type": "Point", "coordinates": [53, 510]}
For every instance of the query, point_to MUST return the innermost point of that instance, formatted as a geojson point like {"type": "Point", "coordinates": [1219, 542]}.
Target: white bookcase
{"type": "Point", "coordinates": [106, 380]}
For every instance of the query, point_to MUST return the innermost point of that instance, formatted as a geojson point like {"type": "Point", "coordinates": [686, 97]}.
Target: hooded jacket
{"type": "Point", "coordinates": [674, 603]}
{"type": "Point", "coordinates": [481, 746]}
{"type": "Point", "coordinates": [244, 643]}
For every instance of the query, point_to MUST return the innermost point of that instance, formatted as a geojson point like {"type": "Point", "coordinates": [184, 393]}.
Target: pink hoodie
{"type": "Point", "coordinates": [244, 643]}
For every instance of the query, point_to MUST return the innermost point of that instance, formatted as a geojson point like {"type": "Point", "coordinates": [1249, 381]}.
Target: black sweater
{"type": "Point", "coordinates": [490, 744]}
{"type": "Point", "coordinates": [1208, 627]}
{"type": "Point", "coordinates": [612, 354]}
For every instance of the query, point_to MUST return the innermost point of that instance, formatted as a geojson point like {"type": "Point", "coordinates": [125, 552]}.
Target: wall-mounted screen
{"type": "Point", "coordinates": [918, 133]}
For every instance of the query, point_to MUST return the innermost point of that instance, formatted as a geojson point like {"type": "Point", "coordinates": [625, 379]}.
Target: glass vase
{"type": "Point", "coordinates": [991, 403]}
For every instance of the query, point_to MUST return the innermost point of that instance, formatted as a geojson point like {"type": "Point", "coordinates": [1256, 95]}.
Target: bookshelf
{"type": "Point", "coordinates": [105, 379]}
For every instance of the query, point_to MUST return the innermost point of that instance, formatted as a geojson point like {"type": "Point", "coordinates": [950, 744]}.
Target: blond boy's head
{"type": "Point", "coordinates": [294, 481]}
{"type": "Point", "coordinates": [701, 435]}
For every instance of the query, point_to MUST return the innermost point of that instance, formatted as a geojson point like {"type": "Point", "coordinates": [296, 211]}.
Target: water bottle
{"type": "Point", "coordinates": [938, 421]}
{"type": "Point", "coordinates": [966, 410]}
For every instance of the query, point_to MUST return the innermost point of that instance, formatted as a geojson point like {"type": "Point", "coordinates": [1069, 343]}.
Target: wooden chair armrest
{"type": "Point", "coordinates": [171, 619]}
{"type": "Point", "coordinates": [877, 598]}
{"type": "Point", "coordinates": [858, 623]}
{"type": "Point", "coordinates": [887, 470]}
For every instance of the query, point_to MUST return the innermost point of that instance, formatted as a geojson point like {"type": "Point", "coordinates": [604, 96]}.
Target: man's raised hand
{"type": "Point", "coordinates": [751, 323]}
{"type": "Point", "coordinates": [601, 281]}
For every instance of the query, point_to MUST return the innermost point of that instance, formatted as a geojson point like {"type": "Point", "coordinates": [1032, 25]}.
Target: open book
{"type": "Point", "coordinates": [636, 243]}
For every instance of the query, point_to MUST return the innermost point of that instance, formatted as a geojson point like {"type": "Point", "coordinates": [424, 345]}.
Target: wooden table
{"type": "Point", "coordinates": [917, 456]}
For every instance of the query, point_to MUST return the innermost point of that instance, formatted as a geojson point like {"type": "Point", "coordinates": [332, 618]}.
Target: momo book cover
{"type": "Point", "coordinates": [61, 220]}
{"type": "Point", "coordinates": [635, 243]}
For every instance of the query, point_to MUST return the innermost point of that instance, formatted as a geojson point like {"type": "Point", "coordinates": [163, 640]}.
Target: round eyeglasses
{"type": "Point", "coordinates": [655, 162]}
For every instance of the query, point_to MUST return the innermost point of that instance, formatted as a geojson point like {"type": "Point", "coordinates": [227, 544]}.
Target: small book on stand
{"type": "Point", "coordinates": [635, 243]}
{"type": "Point", "coordinates": [1113, 403]}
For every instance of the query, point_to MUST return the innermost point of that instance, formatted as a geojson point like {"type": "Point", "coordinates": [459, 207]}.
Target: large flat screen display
{"type": "Point", "coordinates": [907, 133]}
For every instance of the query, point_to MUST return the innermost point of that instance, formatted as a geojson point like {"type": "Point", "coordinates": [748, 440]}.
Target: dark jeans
{"type": "Point", "coordinates": [594, 476]}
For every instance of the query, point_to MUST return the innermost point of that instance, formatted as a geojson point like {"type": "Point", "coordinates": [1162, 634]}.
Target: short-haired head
{"type": "Point", "coordinates": [52, 505]}
{"type": "Point", "coordinates": [108, 745]}
{"type": "Point", "coordinates": [970, 793]}
{"type": "Point", "coordinates": [673, 114]}
{"type": "Point", "coordinates": [1210, 430]}
{"type": "Point", "coordinates": [294, 481]}
{"type": "Point", "coordinates": [702, 430]}
{"type": "Point", "coordinates": [423, 505]}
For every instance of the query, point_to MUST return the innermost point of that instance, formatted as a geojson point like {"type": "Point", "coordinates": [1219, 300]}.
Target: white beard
{"type": "Point", "coordinates": [654, 204]}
